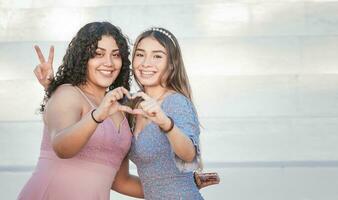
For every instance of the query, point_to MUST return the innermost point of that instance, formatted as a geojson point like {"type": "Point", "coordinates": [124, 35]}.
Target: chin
{"type": "Point", "coordinates": [149, 83]}
{"type": "Point", "coordinates": [105, 84]}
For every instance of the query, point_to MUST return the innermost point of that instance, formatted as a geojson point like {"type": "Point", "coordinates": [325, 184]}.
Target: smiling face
{"type": "Point", "coordinates": [150, 62]}
{"type": "Point", "coordinates": [105, 66]}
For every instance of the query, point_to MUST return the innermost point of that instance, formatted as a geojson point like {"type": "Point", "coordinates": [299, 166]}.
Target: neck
{"type": "Point", "coordinates": [155, 91]}
{"type": "Point", "coordinates": [94, 90]}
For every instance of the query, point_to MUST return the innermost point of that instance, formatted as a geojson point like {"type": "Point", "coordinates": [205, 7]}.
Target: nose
{"type": "Point", "coordinates": [108, 61]}
{"type": "Point", "coordinates": [147, 62]}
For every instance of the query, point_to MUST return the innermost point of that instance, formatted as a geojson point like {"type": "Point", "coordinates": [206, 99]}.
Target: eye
{"type": "Point", "coordinates": [139, 54]}
{"type": "Point", "coordinates": [157, 56]}
{"type": "Point", "coordinates": [99, 54]}
{"type": "Point", "coordinates": [116, 55]}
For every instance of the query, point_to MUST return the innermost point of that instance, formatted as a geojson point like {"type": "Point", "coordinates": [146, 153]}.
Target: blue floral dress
{"type": "Point", "coordinates": [162, 173]}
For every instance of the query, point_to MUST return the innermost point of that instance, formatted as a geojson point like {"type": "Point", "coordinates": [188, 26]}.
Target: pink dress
{"type": "Point", "coordinates": [88, 175]}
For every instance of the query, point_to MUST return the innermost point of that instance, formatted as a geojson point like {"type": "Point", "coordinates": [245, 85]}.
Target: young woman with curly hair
{"type": "Point", "coordinates": [86, 136]}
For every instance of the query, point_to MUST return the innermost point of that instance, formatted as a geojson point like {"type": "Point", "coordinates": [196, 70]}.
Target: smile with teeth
{"type": "Point", "coordinates": [147, 73]}
{"type": "Point", "coordinates": [106, 72]}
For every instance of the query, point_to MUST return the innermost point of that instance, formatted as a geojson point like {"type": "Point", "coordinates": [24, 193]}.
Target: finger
{"type": "Point", "coordinates": [142, 104]}
{"type": "Point", "coordinates": [149, 107]}
{"type": "Point", "coordinates": [148, 102]}
{"type": "Point", "coordinates": [113, 99]}
{"type": "Point", "coordinates": [38, 72]}
{"type": "Point", "coordinates": [126, 92]}
{"type": "Point", "coordinates": [50, 72]}
{"type": "Point", "coordinates": [139, 112]}
{"type": "Point", "coordinates": [49, 77]}
{"type": "Point", "coordinates": [141, 94]}
{"type": "Point", "coordinates": [151, 111]}
{"type": "Point", "coordinates": [39, 53]}
{"type": "Point", "coordinates": [120, 93]}
{"type": "Point", "coordinates": [125, 109]}
{"type": "Point", "coordinates": [113, 95]}
{"type": "Point", "coordinates": [51, 55]}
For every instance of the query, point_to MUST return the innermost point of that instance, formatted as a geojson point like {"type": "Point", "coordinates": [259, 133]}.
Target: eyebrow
{"type": "Point", "coordinates": [114, 50]}
{"type": "Point", "coordinates": [155, 51]}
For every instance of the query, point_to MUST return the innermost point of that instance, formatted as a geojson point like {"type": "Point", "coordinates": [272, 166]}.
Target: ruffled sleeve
{"type": "Point", "coordinates": [183, 113]}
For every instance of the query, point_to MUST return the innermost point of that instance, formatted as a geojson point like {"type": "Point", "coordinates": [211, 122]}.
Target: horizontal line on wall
{"type": "Point", "coordinates": [272, 164]}
{"type": "Point", "coordinates": [289, 117]}
{"type": "Point", "coordinates": [215, 165]}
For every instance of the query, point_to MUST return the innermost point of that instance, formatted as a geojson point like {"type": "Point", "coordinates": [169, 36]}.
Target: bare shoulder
{"type": "Point", "coordinates": [66, 96]}
{"type": "Point", "coordinates": [66, 89]}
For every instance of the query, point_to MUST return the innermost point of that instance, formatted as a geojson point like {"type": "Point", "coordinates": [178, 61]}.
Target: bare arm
{"type": "Point", "coordinates": [126, 183]}
{"type": "Point", "coordinates": [69, 130]}
{"type": "Point", "coordinates": [180, 143]}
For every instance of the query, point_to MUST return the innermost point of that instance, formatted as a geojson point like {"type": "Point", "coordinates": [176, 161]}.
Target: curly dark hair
{"type": "Point", "coordinates": [73, 69]}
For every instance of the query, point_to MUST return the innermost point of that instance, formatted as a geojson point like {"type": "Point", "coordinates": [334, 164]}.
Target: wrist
{"type": "Point", "coordinates": [168, 125]}
{"type": "Point", "coordinates": [96, 117]}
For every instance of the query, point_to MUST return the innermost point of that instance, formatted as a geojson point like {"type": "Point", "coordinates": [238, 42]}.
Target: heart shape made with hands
{"type": "Point", "coordinates": [131, 105]}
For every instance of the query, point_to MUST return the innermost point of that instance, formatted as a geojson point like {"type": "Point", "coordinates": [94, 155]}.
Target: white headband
{"type": "Point", "coordinates": [164, 33]}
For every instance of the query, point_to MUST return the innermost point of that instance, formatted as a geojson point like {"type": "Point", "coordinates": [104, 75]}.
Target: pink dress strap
{"type": "Point", "coordinates": [86, 97]}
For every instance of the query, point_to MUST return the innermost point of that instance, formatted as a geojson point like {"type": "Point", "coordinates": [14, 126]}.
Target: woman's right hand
{"type": "Point", "coordinates": [44, 71]}
{"type": "Point", "coordinates": [110, 104]}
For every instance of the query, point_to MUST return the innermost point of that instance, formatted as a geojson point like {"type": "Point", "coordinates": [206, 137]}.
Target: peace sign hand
{"type": "Point", "coordinates": [44, 71]}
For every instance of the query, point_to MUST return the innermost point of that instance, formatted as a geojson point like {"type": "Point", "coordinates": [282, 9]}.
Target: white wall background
{"type": "Point", "coordinates": [264, 75]}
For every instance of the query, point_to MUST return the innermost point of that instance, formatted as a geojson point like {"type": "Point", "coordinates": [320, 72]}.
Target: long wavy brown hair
{"type": "Point", "coordinates": [175, 76]}
{"type": "Point", "coordinates": [82, 47]}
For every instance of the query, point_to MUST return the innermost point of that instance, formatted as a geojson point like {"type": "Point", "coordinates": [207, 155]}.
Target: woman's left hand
{"type": "Point", "coordinates": [151, 109]}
